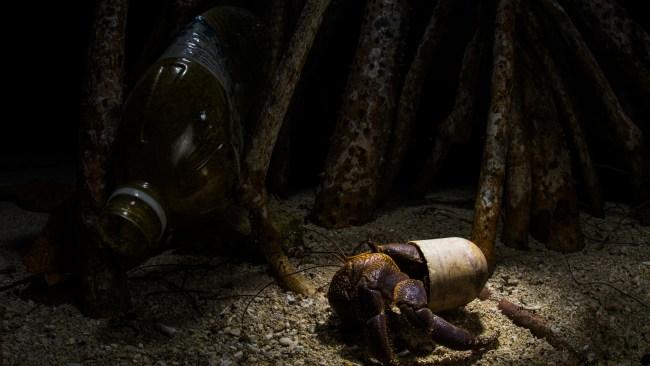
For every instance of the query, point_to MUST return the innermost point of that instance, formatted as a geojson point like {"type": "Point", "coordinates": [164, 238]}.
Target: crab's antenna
{"type": "Point", "coordinates": [341, 255]}
{"type": "Point", "coordinates": [253, 297]}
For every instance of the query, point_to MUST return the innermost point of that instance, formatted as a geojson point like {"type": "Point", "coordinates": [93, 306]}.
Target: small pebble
{"type": "Point", "coordinates": [285, 341]}
{"type": "Point", "coordinates": [510, 282]}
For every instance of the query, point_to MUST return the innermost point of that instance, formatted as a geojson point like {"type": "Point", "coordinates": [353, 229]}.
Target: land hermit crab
{"type": "Point", "coordinates": [393, 292]}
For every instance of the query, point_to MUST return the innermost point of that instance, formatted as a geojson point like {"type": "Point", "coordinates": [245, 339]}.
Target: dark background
{"type": "Point", "coordinates": [45, 62]}
{"type": "Point", "coordinates": [45, 56]}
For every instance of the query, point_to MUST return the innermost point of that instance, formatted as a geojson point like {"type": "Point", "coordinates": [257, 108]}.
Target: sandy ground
{"type": "Point", "coordinates": [198, 310]}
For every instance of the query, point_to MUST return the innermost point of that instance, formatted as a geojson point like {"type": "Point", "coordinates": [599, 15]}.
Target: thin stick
{"type": "Point", "coordinates": [525, 319]}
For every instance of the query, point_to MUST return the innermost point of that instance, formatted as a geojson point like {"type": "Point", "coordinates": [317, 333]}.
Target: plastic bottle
{"type": "Point", "coordinates": [178, 148]}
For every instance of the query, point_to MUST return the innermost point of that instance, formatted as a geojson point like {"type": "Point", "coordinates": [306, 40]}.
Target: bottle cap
{"type": "Point", "coordinates": [133, 221]}
{"type": "Point", "coordinates": [149, 200]}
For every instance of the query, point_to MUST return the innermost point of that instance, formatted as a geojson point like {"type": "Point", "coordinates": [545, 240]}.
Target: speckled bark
{"type": "Point", "coordinates": [260, 148]}
{"type": "Point", "coordinates": [457, 127]}
{"type": "Point", "coordinates": [278, 176]}
{"type": "Point", "coordinates": [280, 167]}
{"type": "Point", "coordinates": [102, 100]}
{"type": "Point", "coordinates": [277, 15]}
{"type": "Point", "coordinates": [487, 207]}
{"type": "Point", "coordinates": [554, 211]}
{"type": "Point", "coordinates": [103, 281]}
{"type": "Point", "coordinates": [627, 134]}
{"type": "Point", "coordinates": [348, 191]}
{"type": "Point", "coordinates": [410, 95]}
{"type": "Point", "coordinates": [610, 27]}
{"type": "Point", "coordinates": [517, 201]}
{"type": "Point", "coordinates": [566, 105]}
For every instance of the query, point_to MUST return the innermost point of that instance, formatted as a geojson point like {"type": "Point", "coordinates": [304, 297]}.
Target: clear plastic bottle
{"type": "Point", "coordinates": [178, 149]}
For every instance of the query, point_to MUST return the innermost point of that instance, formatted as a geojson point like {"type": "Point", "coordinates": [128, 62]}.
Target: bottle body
{"type": "Point", "coordinates": [181, 138]}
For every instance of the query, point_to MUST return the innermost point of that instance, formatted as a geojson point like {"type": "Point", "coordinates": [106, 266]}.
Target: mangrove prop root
{"type": "Point", "coordinates": [554, 212]}
{"type": "Point", "coordinates": [612, 29]}
{"type": "Point", "coordinates": [274, 110]}
{"type": "Point", "coordinates": [278, 176]}
{"type": "Point", "coordinates": [516, 223]}
{"type": "Point", "coordinates": [566, 104]}
{"type": "Point", "coordinates": [285, 272]}
{"type": "Point", "coordinates": [411, 92]}
{"type": "Point", "coordinates": [628, 135]}
{"type": "Point", "coordinates": [489, 195]}
{"type": "Point", "coordinates": [348, 190]}
{"type": "Point", "coordinates": [457, 127]}
{"type": "Point", "coordinates": [260, 149]}
{"type": "Point", "coordinates": [103, 281]}
{"type": "Point", "coordinates": [102, 99]}
{"type": "Point", "coordinates": [277, 15]}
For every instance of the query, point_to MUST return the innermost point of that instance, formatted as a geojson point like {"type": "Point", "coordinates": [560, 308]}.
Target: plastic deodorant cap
{"type": "Point", "coordinates": [457, 271]}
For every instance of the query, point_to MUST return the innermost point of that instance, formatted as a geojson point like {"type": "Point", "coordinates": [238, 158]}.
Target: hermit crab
{"type": "Point", "coordinates": [393, 292]}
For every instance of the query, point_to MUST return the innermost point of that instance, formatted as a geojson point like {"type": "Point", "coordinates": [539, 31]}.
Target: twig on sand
{"type": "Point", "coordinates": [539, 327]}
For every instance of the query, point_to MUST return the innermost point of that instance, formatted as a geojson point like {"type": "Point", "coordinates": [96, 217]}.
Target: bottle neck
{"type": "Point", "coordinates": [134, 220]}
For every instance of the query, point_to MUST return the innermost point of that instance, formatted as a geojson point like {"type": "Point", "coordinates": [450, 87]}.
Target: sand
{"type": "Point", "coordinates": [191, 309]}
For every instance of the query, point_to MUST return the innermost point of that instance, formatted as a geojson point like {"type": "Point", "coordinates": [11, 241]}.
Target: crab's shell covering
{"type": "Point", "coordinates": [457, 271]}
